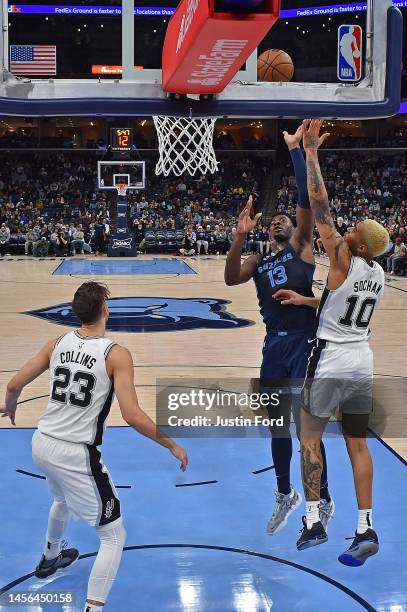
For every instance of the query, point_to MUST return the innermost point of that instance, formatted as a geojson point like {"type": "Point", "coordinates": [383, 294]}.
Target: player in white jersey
{"type": "Point", "coordinates": [86, 369]}
{"type": "Point", "coordinates": [340, 368]}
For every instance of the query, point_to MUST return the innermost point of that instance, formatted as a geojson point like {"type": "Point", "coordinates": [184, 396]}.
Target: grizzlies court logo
{"type": "Point", "coordinates": [151, 314]}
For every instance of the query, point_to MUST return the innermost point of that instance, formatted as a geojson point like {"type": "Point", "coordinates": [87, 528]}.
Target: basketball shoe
{"type": "Point", "coordinates": [285, 505]}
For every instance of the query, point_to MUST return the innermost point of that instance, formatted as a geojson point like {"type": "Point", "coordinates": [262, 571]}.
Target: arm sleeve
{"type": "Point", "coordinates": [300, 169]}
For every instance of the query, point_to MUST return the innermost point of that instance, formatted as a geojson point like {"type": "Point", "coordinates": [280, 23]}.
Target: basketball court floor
{"type": "Point", "coordinates": [196, 541]}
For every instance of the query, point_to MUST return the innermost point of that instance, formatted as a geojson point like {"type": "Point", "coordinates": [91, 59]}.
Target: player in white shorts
{"type": "Point", "coordinates": [86, 370]}
{"type": "Point", "coordinates": [340, 368]}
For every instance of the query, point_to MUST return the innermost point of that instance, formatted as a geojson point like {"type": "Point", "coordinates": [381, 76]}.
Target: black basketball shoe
{"type": "Point", "coordinates": [311, 537]}
{"type": "Point", "coordinates": [364, 545]}
{"type": "Point", "coordinates": [47, 567]}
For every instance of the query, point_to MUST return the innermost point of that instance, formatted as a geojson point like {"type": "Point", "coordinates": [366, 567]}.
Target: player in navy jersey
{"type": "Point", "coordinates": [290, 328]}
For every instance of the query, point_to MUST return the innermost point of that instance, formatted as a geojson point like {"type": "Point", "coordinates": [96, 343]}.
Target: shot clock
{"type": "Point", "coordinates": [121, 139]}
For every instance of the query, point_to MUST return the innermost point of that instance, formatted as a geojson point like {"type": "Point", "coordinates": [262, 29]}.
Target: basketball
{"type": "Point", "coordinates": [275, 65]}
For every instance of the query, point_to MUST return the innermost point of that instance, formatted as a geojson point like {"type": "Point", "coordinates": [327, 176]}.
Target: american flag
{"type": "Point", "coordinates": [33, 59]}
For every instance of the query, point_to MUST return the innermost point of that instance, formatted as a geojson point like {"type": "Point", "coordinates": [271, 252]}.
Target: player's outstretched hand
{"type": "Point", "coordinates": [293, 140]}
{"type": "Point", "coordinates": [181, 454]}
{"type": "Point", "coordinates": [245, 223]}
{"type": "Point", "coordinates": [287, 296]}
{"type": "Point", "coordinates": [311, 130]}
{"type": "Point", "coordinates": [8, 412]}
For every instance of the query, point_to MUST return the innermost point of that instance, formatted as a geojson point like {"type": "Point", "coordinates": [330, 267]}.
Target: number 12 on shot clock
{"type": "Point", "coordinates": [121, 139]}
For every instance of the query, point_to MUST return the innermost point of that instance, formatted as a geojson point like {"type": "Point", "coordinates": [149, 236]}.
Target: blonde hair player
{"type": "Point", "coordinates": [340, 368]}
{"type": "Point", "coordinates": [86, 369]}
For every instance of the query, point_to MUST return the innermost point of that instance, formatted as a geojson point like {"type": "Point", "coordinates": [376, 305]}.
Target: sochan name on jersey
{"type": "Point", "coordinates": [367, 285]}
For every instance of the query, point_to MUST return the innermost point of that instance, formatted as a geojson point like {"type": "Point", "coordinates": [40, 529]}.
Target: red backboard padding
{"type": "Point", "coordinates": [204, 49]}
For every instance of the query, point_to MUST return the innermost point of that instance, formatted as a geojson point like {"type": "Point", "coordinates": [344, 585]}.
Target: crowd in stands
{"type": "Point", "coordinates": [25, 139]}
{"type": "Point", "coordinates": [50, 205]}
{"type": "Point", "coordinates": [395, 140]}
{"type": "Point", "coordinates": [362, 186]}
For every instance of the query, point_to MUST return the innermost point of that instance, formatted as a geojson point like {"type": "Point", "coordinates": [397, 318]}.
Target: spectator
{"type": "Point", "coordinates": [396, 261]}
{"type": "Point", "coordinates": [41, 247]}
{"type": "Point", "coordinates": [4, 239]}
{"type": "Point", "coordinates": [77, 240]}
{"type": "Point", "coordinates": [221, 241]}
{"type": "Point", "coordinates": [264, 241]}
{"type": "Point", "coordinates": [189, 243]}
{"type": "Point", "coordinates": [202, 240]}
{"type": "Point", "coordinates": [62, 242]}
{"type": "Point", "coordinates": [30, 240]}
{"type": "Point", "coordinates": [341, 226]}
{"type": "Point", "coordinates": [99, 236]}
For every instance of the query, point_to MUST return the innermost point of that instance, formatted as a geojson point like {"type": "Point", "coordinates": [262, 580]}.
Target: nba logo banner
{"type": "Point", "coordinates": [350, 53]}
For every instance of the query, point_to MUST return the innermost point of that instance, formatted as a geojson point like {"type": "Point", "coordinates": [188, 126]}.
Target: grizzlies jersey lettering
{"type": "Point", "coordinates": [285, 270]}
{"type": "Point", "coordinates": [81, 393]}
{"type": "Point", "coordinates": [344, 314]}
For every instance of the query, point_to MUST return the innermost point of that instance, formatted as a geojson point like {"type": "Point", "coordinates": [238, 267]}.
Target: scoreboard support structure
{"type": "Point", "coordinates": [122, 175]}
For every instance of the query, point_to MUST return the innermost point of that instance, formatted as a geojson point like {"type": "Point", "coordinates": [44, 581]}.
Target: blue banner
{"type": "Point", "coordinates": [63, 9]}
{"type": "Point", "coordinates": [143, 11]}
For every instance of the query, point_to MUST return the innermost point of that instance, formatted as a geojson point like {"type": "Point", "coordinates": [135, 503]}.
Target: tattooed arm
{"type": "Point", "coordinates": [335, 246]}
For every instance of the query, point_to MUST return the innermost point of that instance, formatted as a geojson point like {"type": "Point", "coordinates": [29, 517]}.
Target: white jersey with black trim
{"type": "Point", "coordinates": [81, 393]}
{"type": "Point", "coordinates": [344, 314]}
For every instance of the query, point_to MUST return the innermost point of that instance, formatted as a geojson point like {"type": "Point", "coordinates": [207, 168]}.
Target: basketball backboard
{"type": "Point", "coordinates": [129, 173]}
{"type": "Point", "coordinates": [117, 70]}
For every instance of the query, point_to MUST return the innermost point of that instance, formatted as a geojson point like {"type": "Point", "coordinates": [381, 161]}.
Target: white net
{"type": "Point", "coordinates": [185, 145]}
{"type": "Point", "coordinates": [121, 189]}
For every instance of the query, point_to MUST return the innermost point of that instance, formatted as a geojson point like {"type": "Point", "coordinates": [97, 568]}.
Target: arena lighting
{"type": "Point", "coordinates": [141, 11]}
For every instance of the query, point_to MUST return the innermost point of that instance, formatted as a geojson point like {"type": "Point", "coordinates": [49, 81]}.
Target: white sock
{"type": "Point", "coordinates": [365, 521]}
{"type": "Point", "coordinates": [57, 522]}
{"type": "Point", "coordinates": [92, 608]}
{"type": "Point", "coordinates": [312, 513]}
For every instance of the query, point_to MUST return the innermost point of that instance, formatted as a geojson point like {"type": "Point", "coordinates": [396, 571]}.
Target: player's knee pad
{"type": "Point", "coordinates": [113, 535]}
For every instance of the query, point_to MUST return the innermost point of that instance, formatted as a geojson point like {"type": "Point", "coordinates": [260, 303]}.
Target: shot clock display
{"type": "Point", "coordinates": [121, 139]}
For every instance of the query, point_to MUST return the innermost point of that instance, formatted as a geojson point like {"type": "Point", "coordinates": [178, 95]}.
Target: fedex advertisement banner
{"type": "Point", "coordinates": [204, 50]}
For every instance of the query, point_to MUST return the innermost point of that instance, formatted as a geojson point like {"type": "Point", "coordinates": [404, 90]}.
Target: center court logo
{"type": "Point", "coordinates": [154, 314]}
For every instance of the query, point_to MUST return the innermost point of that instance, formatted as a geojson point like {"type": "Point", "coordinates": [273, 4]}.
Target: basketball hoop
{"type": "Point", "coordinates": [121, 189]}
{"type": "Point", "coordinates": [185, 145]}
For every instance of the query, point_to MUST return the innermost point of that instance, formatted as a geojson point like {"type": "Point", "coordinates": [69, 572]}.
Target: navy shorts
{"type": "Point", "coordinates": [285, 358]}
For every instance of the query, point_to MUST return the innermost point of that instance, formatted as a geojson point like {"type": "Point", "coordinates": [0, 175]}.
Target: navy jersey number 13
{"type": "Point", "coordinates": [284, 270]}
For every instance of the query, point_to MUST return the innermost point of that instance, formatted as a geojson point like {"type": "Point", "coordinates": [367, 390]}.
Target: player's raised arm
{"type": "Point", "coordinates": [303, 235]}
{"type": "Point", "coordinates": [237, 273]}
{"type": "Point", "coordinates": [120, 366]}
{"type": "Point", "coordinates": [335, 246]}
{"type": "Point", "coordinates": [33, 368]}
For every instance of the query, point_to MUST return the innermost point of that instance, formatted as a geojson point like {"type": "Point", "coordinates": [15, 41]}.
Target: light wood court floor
{"type": "Point", "coordinates": [27, 284]}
